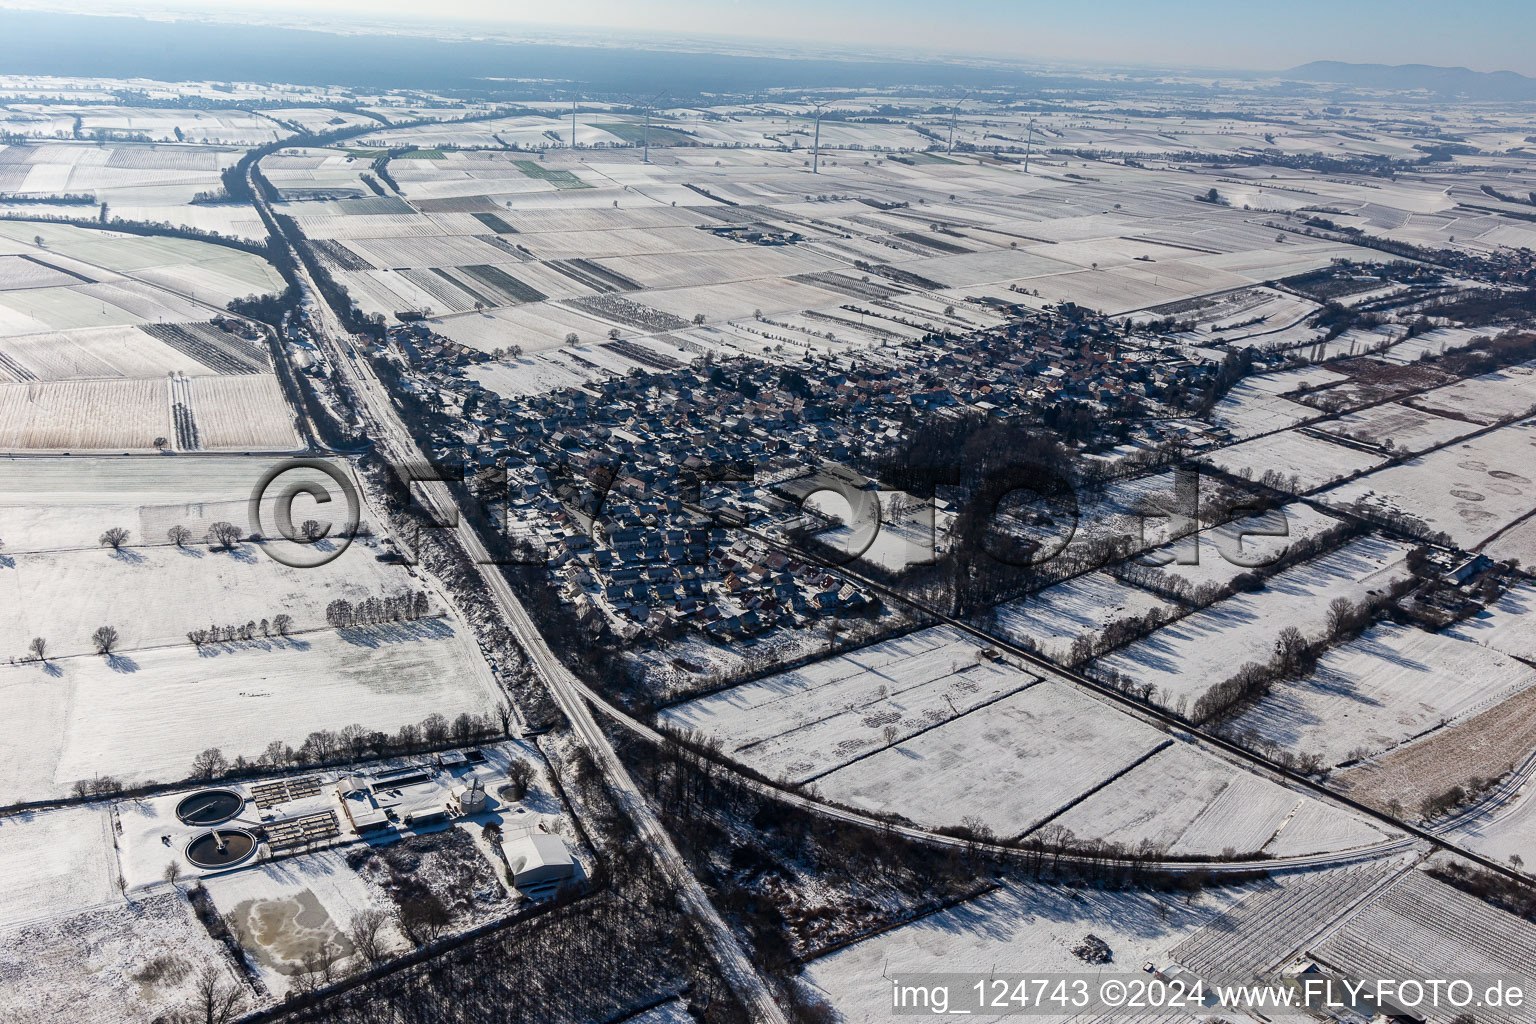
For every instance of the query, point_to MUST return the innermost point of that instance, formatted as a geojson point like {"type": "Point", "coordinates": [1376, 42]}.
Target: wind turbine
{"type": "Point", "coordinates": [649, 106]}
{"type": "Point", "coordinates": [573, 122]}
{"type": "Point", "coordinates": [953, 113]}
{"type": "Point", "coordinates": [1029, 138]}
{"type": "Point", "coordinates": [820, 108]}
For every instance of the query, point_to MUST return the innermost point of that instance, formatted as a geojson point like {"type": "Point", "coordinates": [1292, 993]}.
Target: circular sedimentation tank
{"type": "Point", "coordinates": [210, 807]}
{"type": "Point", "coordinates": [221, 848]}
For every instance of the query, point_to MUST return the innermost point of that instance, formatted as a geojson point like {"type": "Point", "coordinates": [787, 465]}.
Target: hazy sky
{"type": "Point", "coordinates": [1490, 35]}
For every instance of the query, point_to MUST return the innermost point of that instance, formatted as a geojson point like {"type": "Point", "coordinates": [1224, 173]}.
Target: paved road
{"type": "Point", "coordinates": [395, 443]}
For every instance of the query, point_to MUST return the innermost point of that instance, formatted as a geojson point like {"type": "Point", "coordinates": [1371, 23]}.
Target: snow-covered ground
{"type": "Point", "coordinates": [802, 724]}
{"type": "Point", "coordinates": [1019, 928]}
{"type": "Point", "coordinates": [1056, 616]}
{"type": "Point", "coordinates": [1508, 625]}
{"type": "Point", "coordinates": [1384, 687]}
{"type": "Point", "coordinates": [1185, 659]}
{"type": "Point", "coordinates": [1190, 802]}
{"type": "Point", "coordinates": [1471, 489]}
{"type": "Point", "coordinates": [1311, 461]}
{"type": "Point", "coordinates": [1010, 764]}
{"type": "Point", "coordinates": [145, 715]}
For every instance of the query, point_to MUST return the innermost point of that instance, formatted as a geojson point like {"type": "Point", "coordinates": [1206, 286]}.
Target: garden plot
{"type": "Point", "coordinates": [1010, 764]}
{"type": "Point", "coordinates": [1052, 619]}
{"type": "Point", "coordinates": [56, 862]}
{"type": "Point", "coordinates": [1248, 410]}
{"type": "Point", "coordinates": [1486, 399]}
{"type": "Point", "coordinates": [1507, 626]}
{"type": "Point", "coordinates": [1303, 461]}
{"type": "Point", "coordinates": [80, 717]}
{"type": "Point", "coordinates": [1423, 928]}
{"type": "Point", "coordinates": [1186, 658]}
{"type": "Point", "coordinates": [130, 963]}
{"type": "Point", "coordinates": [1471, 490]}
{"type": "Point", "coordinates": [749, 715]}
{"type": "Point", "coordinates": [1020, 927]}
{"type": "Point", "coordinates": [1398, 428]}
{"type": "Point", "coordinates": [1380, 689]}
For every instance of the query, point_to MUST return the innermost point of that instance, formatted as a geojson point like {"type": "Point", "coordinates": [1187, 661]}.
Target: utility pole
{"type": "Point", "coordinates": [953, 112]}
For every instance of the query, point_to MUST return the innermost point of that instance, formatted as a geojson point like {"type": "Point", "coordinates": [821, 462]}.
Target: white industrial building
{"type": "Point", "coordinates": [540, 862]}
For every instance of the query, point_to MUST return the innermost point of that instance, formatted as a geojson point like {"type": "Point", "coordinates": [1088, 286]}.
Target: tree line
{"type": "Point", "coordinates": [405, 606]}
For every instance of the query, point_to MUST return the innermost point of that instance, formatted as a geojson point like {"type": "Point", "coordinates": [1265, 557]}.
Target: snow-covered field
{"type": "Point", "coordinates": [1229, 550]}
{"type": "Point", "coordinates": [1470, 490]}
{"type": "Point", "coordinates": [1248, 409]}
{"type": "Point", "coordinates": [1189, 802]}
{"type": "Point", "coordinates": [1406, 428]}
{"type": "Point", "coordinates": [122, 963]}
{"type": "Point", "coordinates": [1052, 619]}
{"type": "Point", "coordinates": [802, 724]}
{"type": "Point", "coordinates": [1019, 928]}
{"type": "Point", "coordinates": [153, 596]}
{"type": "Point", "coordinates": [1508, 625]}
{"type": "Point", "coordinates": [1010, 764]}
{"type": "Point", "coordinates": [145, 715]}
{"type": "Point", "coordinates": [1296, 455]}
{"type": "Point", "coordinates": [1486, 399]}
{"type": "Point", "coordinates": [1185, 659]}
{"type": "Point", "coordinates": [1384, 687]}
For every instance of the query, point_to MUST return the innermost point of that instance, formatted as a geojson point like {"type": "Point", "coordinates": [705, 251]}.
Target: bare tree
{"type": "Point", "coordinates": [311, 531]}
{"type": "Point", "coordinates": [209, 763]}
{"type": "Point", "coordinates": [114, 538]}
{"type": "Point", "coordinates": [504, 715]}
{"type": "Point", "coordinates": [172, 873]}
{"type": "Point", "coordinates": [38, 649]}
{"type": "Point", "coordinates": [162, 443]}
{"type": "Point", "coordinates": [214, 1000]}
{"type": "Point", "coordinates": [224, 535]}
{"type": "Point", "coordinates": [282, 623]}
{"type": "Point", "coordinates": [519, 777]}
{"type": "Point", "coordinates": [364, 933]}
{"type": "Point", "coordinates": [105, 638]}
{"type": "Point", "coordinates": [178, 535]}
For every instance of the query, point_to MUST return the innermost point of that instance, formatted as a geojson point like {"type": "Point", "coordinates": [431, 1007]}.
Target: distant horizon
{"type": "Point", "coordinates": [1193, 35]}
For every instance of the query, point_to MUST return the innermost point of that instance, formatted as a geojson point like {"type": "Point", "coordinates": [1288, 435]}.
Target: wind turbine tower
{"type": "Point", "coordinates": [953, 113]}
{"type": "Point", "coordinates": [816, 144]}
